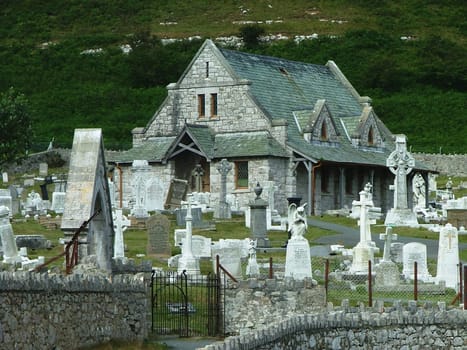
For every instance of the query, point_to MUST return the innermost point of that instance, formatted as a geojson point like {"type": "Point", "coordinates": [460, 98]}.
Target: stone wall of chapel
{"type": "Point", "coordinates": [235, 109]}
{"type": "Point", "coordinates": [259, 170]}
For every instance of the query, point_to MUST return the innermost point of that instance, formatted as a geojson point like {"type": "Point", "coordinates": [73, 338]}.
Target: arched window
{"type": "Point", "coordinates": [324, 131]}
{"type": "Point", "coordinates": [371, 136]}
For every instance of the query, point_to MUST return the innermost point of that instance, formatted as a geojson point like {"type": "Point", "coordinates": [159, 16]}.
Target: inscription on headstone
{"type": "Point", "coordinates": [158, 226]}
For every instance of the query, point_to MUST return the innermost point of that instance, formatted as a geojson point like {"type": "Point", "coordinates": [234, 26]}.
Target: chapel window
{"type": "Point", "coordinates": [324, 132]}
{"type": "Point", "coordinates": [241, 174]}
{"type": "Point", "coordinates": [213, 105]}
{"type": "Point", "coordinates": [201, 106]}
{"type": "Point", "coordinates": [371, 136]}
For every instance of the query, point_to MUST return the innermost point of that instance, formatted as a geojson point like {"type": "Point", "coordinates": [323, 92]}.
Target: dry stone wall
{"type": "Point", "coordinates": [397, 327]}
{"type": "Point", "coordinates": [446, 164]}
{"type": "Point", "coordinates": [41, 311]}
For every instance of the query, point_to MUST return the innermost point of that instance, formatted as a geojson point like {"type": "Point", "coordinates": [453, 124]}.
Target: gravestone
{"type": "Point", "coordinates": [198, 173]}
{"type": "Point", "coordinates": [197, 215]}
{"type": "Point", "coordinates": [365, 249]}
{"type": "Point", "coordinates": [32, 242]}
{"type": "Point", "coordinates": [156, 193]}
{"type": "Point", "coordinates": [387, 237]}
{"type": "Point", "coordinates": [158, 227]}
{"type": "Point", "coordinates": [15, 200]}
{"type": "Point", "coordinates": [258, 226]}
{"type": "Point", "coordinates": [418, 188]}
{"type": "Point", "coordinates": [121, 223]}
{"type": "Point", "coordinates": [252, 269]}
{"type": "Point", "coordinates": [140, 170]}
{"type": "Point", "coordinates": [222, 210]}
{"type": "Point", "coordinates": [415, 252]}
{"type": "Point", "coordinates": [201, 246]}
{"type": "Point", "coordinates": [229, 258]}
{"type": "Point", "coordinates": [387, 272]}
{"type": "Point", "coordinates": [87, 194]}
{"type": "Point", "coordinates": [400, 162]}
{"type": "Point", "coordinates": [177, 193]}
{"type": "Point", "coordinates": [179, 236]}
{"type": "Point", "coordinates": [188, 263]}
{"type": "Point", "coordinates": [43, 169]}
{"type": "Point", "coordinates": [58, 202]}
{"type": "Point", "coordinates": [298, 256]}
{"type": "Point", "coordinates": [448, 257]}
{"type": "Point", "coordinates": [396, 252]}
{"type": "Point", "coordinates": [6, 200]}
{"type": "Point", "coordinates": [9, 247]}
{"type": "Point", "coordinates": [5, 177]}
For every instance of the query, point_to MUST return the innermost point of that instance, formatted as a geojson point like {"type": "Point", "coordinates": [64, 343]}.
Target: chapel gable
{"type": "Point", "coordinates": [321, 127]}
{"type": "Point", "coordinates": [368, 132]}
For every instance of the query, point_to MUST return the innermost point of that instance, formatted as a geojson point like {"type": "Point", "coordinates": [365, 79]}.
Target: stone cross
{"type": "Point", "coordinates": [400, 163]}
{"type": "Point", "coordinates": [387, 237]}
{"type": "Point", "coordinates": [121, 223]}
{"type": "Point", "coordinates": [223, 211]}
{"type": "Point", "coordinates": [198, 173]}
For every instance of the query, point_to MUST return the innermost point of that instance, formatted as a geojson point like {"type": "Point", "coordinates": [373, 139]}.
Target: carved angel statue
{"type": "Point", "coordinates": [297, 221]}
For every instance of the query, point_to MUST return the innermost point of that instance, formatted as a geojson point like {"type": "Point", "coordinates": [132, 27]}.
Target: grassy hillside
{"type": "Point", "coordinates": [418, 86]}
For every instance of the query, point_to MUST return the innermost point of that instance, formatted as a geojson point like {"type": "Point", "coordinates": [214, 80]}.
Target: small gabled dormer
{"type": "Point", "coordinates": [321, 126]}
{"type": "Point", "coordinates": [367, 131]}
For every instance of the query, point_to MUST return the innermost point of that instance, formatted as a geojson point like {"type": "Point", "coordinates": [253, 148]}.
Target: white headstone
{"type": "Point", "coordinates": [188, 263]}
{"type": "Point", "coordinates": [156, 195]}
{"type": "Point", "coordinates": [58, 202]}
{"type": "Point", "coordinates": [298, 257]}
{"type": "Point", "coordinates": [10, 250]}
{"type": "Point", "coordinates": [43, 169]}
{"type": "Point", "coordinates": [252, 269]}
{"type": "Point", "coordinates": [6, 200]}
{"type": "Point", "coordinates": [201, 246]}
{"type": "Point", "coordinates": [415, 252]}
{"type": "Point", "coordinates": [448, 257]}
{"type": "Point", "coordinates": [140, 170]}
{"type": "Point", "coordinates": [5, 177]}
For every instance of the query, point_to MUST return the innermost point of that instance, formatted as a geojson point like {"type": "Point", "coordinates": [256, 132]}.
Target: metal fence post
{"type": "Point", "coordinates": [370, 288]}
{"type": "Point", "coordinates": [271, 272]}
{"type": "Point", "coordinates": [326, 278]}
{"type": "Point", "coordinates": [465, 287]}
{"type": "Point", "coordinates": [415, 281]}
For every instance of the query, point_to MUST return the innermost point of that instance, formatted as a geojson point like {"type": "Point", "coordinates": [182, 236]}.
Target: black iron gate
{"type": "Point", "coordinates": [187, 305]}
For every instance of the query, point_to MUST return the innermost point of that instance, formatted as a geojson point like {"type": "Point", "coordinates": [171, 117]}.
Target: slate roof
{"type": "Point", "coordinates": [153, 151]}
{"type": "Point", "coordinates": [282, 88]}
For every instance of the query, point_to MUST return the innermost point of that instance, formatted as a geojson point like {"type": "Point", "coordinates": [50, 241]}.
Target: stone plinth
{"type": "Point", "coordinates": [258, 224]}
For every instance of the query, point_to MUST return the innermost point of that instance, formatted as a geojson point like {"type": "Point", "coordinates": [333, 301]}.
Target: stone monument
{"type": "Point", "coordinates": [252, 269]}
{"type": "Point", "coordinates": [365, 249]}
{"type": "Point", "coordinates": [400, 162]}
{"type": "Point", "coordinates": [222, 210]}
{"type": "Point", "coordinates": [140, 170]}
{"type": "Point", "coordinates": [298, 257]}
{"type": "Point", "coordinates": [387, 273]}
{"type": "Point", "coordinates": [158, 228]}
{"type": "Point", "coordinates": [87, 193]}
{"type": "Point", "coordinates": [121, 223]}
{"type": "Point", "coordinates": [415, 252]}
{"type": "Point", "coordinates": [188, 263]}
{"type": "Point", "coordinates": [448, 257]}
{"type": "Point", "coordinates": [258, 224]}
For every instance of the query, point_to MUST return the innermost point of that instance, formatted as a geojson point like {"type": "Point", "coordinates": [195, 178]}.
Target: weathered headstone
{"type": "Point", "coordinates": [298, 256]}
{"type": "Point", "coordinates": [15, 200]}
{"type": "Point", "coordinates": [387, 237]}
{"type": "Point", "coordinates": [156, 194]}
{"type": "Point", "coordinates": [448, 257]}
{"type": "Point", "coordinates": [6, 200]}
{"type": "Point", "coordinates": [415, 252]}
{"type": "Point", "coordinates": [5, 177]}
{"type": "Point", "coordinates": [400, 162]}
{"type": "Point", "coordinates": [43, 169]}
{"type": "Point", "coordinates": [58, 202]}
{"type": "Point", "coordinates": [158, 227]}
{"type": "Point", "coordinates": [121, 223]}
{"type": "Point", "coordinates": [197, 215]}
{"type": "Point", "coordinates": [252, 269]}
{"type": "Point", "coordinates": [87, 194]}
{"type": "Point", "coordinates": [10, 250]}
{"type": "Point", "coordinates": [177, 193]}
{"type": "Point", "coordinates": [222, 210]}
{"type": "Point", "coordinates": [140, 170]}
{"type": "Point", "coordinates": [201, 246]}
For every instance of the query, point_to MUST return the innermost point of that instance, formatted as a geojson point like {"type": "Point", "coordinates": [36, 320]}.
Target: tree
{"type": "Point", "coordinates": [15, 126]}
{"type": "Point", "coordinates": [251, 34]}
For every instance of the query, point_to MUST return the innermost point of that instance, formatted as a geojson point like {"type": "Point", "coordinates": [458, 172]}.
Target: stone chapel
{"type": "Point", "coordinates": [302, 127]}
